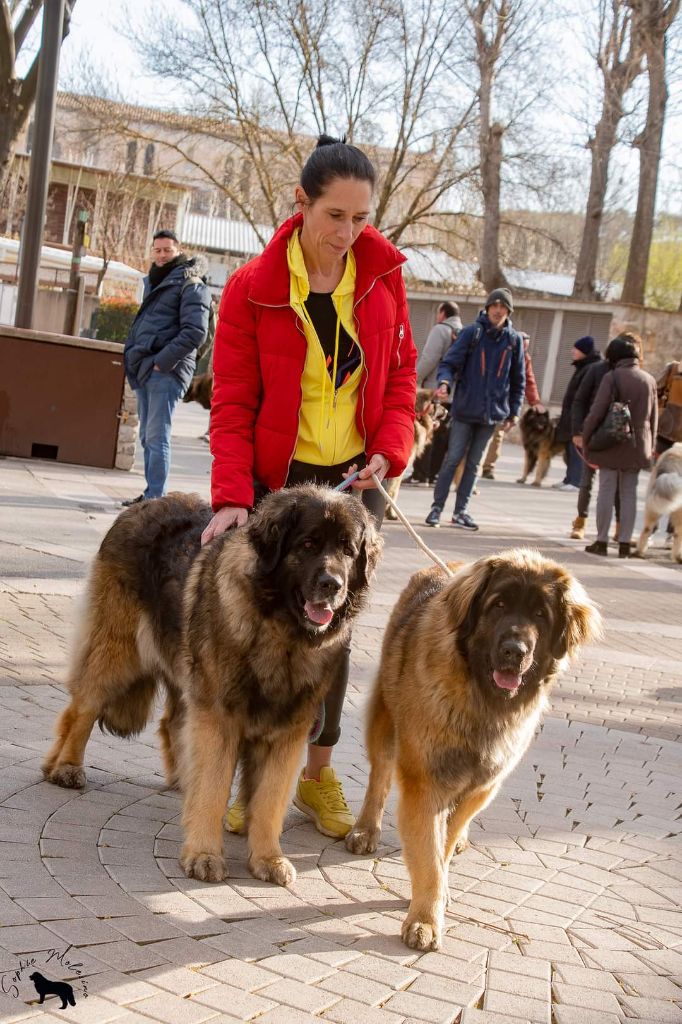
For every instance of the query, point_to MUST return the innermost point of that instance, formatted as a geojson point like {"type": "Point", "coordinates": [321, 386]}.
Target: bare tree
{"type": "Point", "coordinates": [17, 18]}
{"type": "Point", "coordinates": [619, 62]}
{"type": "Point", "coordinates": [652, 21]}
{"type": "Point", "coordinates": [267, 76]}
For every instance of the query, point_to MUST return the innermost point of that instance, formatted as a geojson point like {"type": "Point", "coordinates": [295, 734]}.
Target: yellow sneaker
{"type": "Point", "coordinates": [325, 803]}
{"type": "Point", "coordinates": [235, 819]}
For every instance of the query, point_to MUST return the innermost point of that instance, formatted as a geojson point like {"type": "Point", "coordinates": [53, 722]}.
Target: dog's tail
{"type": "Point", "coordinates": [665, 495]}
{"type": "Point", "coordinates": [128, 713]}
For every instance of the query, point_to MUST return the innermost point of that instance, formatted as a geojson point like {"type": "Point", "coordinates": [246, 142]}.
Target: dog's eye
{"type": "Point", "coordinates": [500, 604]}
{"type": "Point", "coordinates": [541, 614]}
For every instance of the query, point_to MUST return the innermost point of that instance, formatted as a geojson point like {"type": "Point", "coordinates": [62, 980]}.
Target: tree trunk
{"type": "Point", "coordinates": [585, 286]}
{"type": "Point", "coordinates": [649, 143]}
{"type": "Point", "coordinates": [490, 271]}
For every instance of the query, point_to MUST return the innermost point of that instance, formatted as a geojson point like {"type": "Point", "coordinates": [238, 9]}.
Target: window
{"type": "Point", "coordinates": [131, 156]}
{"type": "Point", "coordinates": [149, 158]}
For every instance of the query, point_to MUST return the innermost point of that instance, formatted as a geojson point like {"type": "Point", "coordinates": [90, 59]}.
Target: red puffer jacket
{"type": "Point", "coordinates": [260, 352]}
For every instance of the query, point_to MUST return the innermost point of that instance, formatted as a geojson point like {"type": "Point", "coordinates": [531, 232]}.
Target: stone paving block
{"type": "Point", "coordinates": [299, 968]}
{"type": "Point", "coordinates": [383, 971]}
{"type": "Point", "coordinates": [172, 1010]}
{"type": "Point", "coordinates": [650, 986]}
{"type": "Point", "coordinates": [287, 1015]}
{"type": "Point", "coordinates": [246, 976]}
{"type": "Point", "coordinates": [93, 1010]}
{"type": "Point", "coordinates": [85, 931]}
{"type": "Point", "coordinates": [448, 990]}
{"type": "Point", "coordinates": [590, 998]}
{"type": "Point", "coordinates": [231, 1000]}
{"type": "Point", "coordinates": [423, 1008]}
{"type": "Point", "coordinates": [363, 990]}
{"type": "Point", "coordinates": [186, 952]}
{"type": "Point", "coordinates": [347, 1011]}
{"type": "Point", "coordinates": [288, 992]}
{"type": "Point", "coordinates": [27, 938]}
{"type": "Point", "coordinates": [119, 988]}
{"type": "Point", "coordinates": [51, 908]}
{"type": "Point", "coordinates": [126, 956]}
{"type": "Point", "coordinates": [579, 1015]}
{"type": "Point", "coordinates": [659, 1010]}
{"type": "Point", "coordinates": [12, 1010]}
{"type": "Point", "coordinates": [517, 984]}
{"type": "Point", "coordinates": [516, 964]}
{"type": "Point", "coordinates": [588, 978]}
{"type": "Point", "coordinates": [181, 981]}
{"type": "Point", "coordinates": [518, 1006]}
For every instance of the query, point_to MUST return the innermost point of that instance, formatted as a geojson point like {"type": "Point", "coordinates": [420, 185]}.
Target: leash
{"type": "Point", "coordinates": [389, 501]}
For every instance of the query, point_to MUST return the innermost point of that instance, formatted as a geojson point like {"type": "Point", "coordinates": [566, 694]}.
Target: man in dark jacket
{"type": "Point", "coordinates": [582, 403]}
{"type": "Point", "coordinates": [487, 362]}
{"type": "Point", "coordinates": [160, 351]}
{"type": "Point", "coordinates": [584, 354]}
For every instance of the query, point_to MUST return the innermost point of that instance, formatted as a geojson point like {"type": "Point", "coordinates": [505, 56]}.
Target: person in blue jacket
{"type": "Point", "coordinates": [486, 368]}
{"type": "Point", "coordinates": [160, 350]}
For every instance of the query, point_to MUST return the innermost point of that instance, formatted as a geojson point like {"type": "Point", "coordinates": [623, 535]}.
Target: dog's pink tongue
{"type": "Point", "coordinates": [321, 614]}
{"type": "Point", "coordinates": [506, 680]}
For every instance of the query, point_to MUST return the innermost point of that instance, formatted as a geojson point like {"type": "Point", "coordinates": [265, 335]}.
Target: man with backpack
{"type": "Point", "coordinates": [160, 354]}
{"type": "Point", "coordinates": [485, 368]}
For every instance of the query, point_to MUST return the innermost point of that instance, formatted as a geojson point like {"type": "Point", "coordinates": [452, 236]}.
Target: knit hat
{"type": "Point", "coordinates": [586, 345]}
{"type": "Point", "coordinates": [502, 295]}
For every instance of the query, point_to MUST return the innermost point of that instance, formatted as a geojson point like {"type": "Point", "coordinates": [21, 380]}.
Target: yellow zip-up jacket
{"type": "Point", "coordinates": [328, 434]}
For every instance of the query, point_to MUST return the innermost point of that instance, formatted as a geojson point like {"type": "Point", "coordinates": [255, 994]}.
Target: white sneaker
{"type": "Point", "coordinates": [567, 487]}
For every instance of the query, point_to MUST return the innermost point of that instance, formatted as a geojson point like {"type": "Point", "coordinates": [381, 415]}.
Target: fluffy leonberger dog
{"type": "Point", "coordinates": [428, 416]}
{"type": "Point", "coordinates": [538, 434]}
{"type": "Point", "coordinates": [243, 634]}
{"type": "Point", "coordinates": [466, 665]}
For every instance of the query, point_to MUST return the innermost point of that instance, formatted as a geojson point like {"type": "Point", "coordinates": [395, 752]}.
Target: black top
{"type": "Point", "coordinates": [320, 309]}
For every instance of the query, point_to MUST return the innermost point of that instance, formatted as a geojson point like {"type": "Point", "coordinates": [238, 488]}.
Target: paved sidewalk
{"type": "Point", "coordinates": [566, 909]}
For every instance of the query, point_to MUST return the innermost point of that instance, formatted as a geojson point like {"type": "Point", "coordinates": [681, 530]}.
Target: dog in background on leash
{"type": "Point", "coordinates": [428, 416]}
{"type": "Point", "coordinates": [538, 433]}
{"type": "Point", "coordinates": [466, 665]}
{"type": "Point", "coordinates": [664, 498]}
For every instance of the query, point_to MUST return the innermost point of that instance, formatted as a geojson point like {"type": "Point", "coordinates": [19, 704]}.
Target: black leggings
{"type": "Point", "coordinates": [299, 473]}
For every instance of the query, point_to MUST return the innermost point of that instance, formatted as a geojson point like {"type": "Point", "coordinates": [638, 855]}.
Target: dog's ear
{"type": "Point", "coordinates": [371, 546]}
{"type": "Point", "coordinates": [465, 595]}
{"type": "Point", "coordinates": [578, 621]}
{"type": "Point", "coordinates": [276, 518]}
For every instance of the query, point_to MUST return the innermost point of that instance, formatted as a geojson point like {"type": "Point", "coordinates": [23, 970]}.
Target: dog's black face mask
{"type": "Point", "coordinates": [316, 554]}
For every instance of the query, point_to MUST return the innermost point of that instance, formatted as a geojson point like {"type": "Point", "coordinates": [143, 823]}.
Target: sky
{"type": "Point", "coordinates": [95, 37]}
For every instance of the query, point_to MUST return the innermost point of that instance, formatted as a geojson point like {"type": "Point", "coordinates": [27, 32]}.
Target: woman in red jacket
{"type": "Point", "coordinates": [314, 377]}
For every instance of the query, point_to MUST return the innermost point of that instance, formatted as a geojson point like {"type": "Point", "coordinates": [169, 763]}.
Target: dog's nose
{"type": "Point", "coordinates": [514, 648]}
{"type": "Point", "coordinates": [328, 584]}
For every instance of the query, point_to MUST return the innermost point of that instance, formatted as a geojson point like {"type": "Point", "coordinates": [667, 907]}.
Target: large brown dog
{"type": "Point", "coordinates": [465, 668]}
{"type": "Point", "coordinates": [538, 433]}
{"type": "Point", "coordinates": [244, 634]}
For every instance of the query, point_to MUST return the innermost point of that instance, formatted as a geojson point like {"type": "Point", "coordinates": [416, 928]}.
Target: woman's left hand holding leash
{"type": "Point", "coordinates": [378, 464]}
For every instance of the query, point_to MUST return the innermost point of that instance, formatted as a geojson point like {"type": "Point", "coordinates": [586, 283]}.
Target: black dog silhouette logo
{"type": "Point", "coordinates": [45, 987]}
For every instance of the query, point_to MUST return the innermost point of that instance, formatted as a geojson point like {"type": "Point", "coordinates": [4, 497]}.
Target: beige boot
{"type": "Point", "coordinates": [578, 528]}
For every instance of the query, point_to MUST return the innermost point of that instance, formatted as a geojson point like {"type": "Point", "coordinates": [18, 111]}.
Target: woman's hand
{"type": "Point", "coordinates": [224, 519]}
{"type": "Point", "coordinates": [378, 464]}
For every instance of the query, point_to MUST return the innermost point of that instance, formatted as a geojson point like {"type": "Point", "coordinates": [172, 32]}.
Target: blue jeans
{"type": "Point", "coordinates": [156, 400]}
{"type": "Point", "coordinates": [466, 439]}
{"type": "Point", "coordinates": [574, 465]}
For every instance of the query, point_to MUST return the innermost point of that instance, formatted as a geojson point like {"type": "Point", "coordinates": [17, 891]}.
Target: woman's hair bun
{"type": "Point", "coordinates": [328, 140]}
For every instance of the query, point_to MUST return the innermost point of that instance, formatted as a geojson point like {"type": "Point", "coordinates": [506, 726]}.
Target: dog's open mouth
{"type": "Point", "coordinates": [320, 613]}
{"type": "Point", "coordinates": [507, 680]}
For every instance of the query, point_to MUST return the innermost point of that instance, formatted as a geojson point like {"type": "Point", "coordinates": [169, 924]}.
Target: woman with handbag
{"type": "Point", "coordinates": [618, 438]}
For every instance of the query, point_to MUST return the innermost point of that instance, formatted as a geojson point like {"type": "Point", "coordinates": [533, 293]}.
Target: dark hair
{"type": "Point", "coordinates": [624, 346]}
{"type": "Point", "coordinates": [166, 233]}
{"type": "Point", "coordinates": [449, 308]}
{"type": "Point", "coordinates": [334, 158]}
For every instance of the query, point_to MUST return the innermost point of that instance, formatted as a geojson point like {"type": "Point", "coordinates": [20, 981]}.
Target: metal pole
{"type": "Point", "coordinates": [39, 173]}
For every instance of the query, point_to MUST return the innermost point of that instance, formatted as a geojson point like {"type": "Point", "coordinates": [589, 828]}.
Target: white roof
{"type": "Point", "coordinates": [222, 235]}
{"type": "Point", "coordinates": [435, 266]}
{"type": "Point", "coordinates": [60, 259]}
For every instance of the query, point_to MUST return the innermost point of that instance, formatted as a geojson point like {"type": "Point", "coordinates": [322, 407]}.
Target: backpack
{"type": "Point", "coordinates": [205, 350]}
{"type": "Point", "coordinates": [616, 427]}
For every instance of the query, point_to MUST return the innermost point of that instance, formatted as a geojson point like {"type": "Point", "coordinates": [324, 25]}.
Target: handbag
{"type": "Point", "coordinates": [616, 427]}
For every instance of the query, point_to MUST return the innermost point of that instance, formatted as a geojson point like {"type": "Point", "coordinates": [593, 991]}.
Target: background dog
{"type": "Point", "coordinates": [244, 634]}
{"type": "Point", "coordinates": [538, 433]}
{"type": "Point", "coordinates": [200, 390]}
{"type": "Point", "coordinates": [465, 668]}
{"type": "Point", "coordinates": [664, 498]}
{"type": "Point", "coordinates": [428, 415]}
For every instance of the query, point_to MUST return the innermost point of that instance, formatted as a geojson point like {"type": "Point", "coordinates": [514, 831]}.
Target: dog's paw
{"type": "Point", "coordinates": [422, 935]}
{"type": "Point", "coordinates": [205, 867]}
{"type": "Point", "coordinates": [70, 776]}
{"type": "Point", "coordinates": [362, 840]}
{"type": "Point", "coordinates": [277, 870]}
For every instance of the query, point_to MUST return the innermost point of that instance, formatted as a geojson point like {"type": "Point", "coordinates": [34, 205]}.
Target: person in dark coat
{"type": "Point", "coordinates": [160, 350]}
{"type": "Point", "coordinates": [584, 354]}
{"type": "Point", "coordinates": [620, 465]}
{"type": "Point", "coordinates": [582, 403]}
